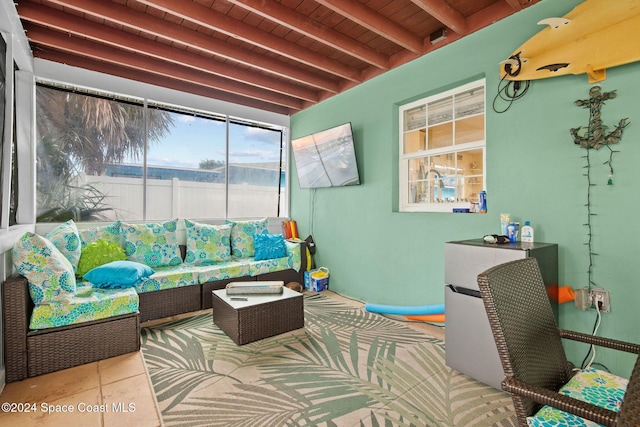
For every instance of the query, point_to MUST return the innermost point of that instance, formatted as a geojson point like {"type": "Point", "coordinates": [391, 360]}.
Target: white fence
{"type": "Point", "coordinates": [174, 198]}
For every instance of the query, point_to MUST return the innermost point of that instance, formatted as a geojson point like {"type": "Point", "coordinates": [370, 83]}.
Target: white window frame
{"type": "Point", "coordinates": [403, 182]}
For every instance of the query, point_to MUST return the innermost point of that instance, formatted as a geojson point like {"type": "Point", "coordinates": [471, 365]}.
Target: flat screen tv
{"type": "Point", "coordinates": [326, 158]}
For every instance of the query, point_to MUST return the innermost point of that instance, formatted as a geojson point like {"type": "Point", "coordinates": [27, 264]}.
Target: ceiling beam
{"type": "Point", "coordinates": [443, 12]}
{"type": "Point", "coordinates": [208, 18]}
{"type": "Point", "coordinates": [376, 22]}
{"type": "Point", "coordinates": [139, 21]}
{"type": "Point", "coordinates": [515, 5]}
{"type": "Point", "coordinates": [58, 20]}
{"type": "Point", "coordinates": [44, 37]}
{"type": "Point", "coordinates": [304, 25]}
{"type": "Point", "coordinates": [156, 80]}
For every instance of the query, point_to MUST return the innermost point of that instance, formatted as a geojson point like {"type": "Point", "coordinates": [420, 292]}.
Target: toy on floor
{"type": "Point", "coordinates": [416, 310]}
{"type": "Point", "coordinates": [434, 318]}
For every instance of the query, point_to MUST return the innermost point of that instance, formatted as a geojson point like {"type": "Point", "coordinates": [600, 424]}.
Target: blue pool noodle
{"type": "Point", "coordinates": [410, 310]}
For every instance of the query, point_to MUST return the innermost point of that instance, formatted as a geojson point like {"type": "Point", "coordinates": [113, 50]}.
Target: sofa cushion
{"type": "Point", "coordinates": [292, 260]}
{"type": "Point", "coordinates": [169, 277]}
{"type": "Point", "coordinates": [99, 253]}
{"type": "Point", "coordinates": [49, 273]}
{"type": "Point", "coordinates": [269, 246]}
{"type": "Point", "coordinates": [155, 245]}
{"type": "Point", "coordinates": [86, 305]}
{"type": "Point", "coordinates": [110, 233]}
{"type": "Point", "coordinates": [118, 274]}
{"type": "Point", "coordinates": [207, 244]}
{"type": "Point", "coordinates": [242, 232]}
{"type": "Point", "coordinates": [67, 239]}
{"type": "Point", "coordinates": [222, 271]}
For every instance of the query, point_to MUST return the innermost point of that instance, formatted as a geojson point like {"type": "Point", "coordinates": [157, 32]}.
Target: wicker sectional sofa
{"type": "Point", "coordinates": [30, 353]}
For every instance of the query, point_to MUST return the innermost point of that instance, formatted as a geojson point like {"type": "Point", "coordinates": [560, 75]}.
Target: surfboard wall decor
{"type": "Point", "coordinates": [594, 36]}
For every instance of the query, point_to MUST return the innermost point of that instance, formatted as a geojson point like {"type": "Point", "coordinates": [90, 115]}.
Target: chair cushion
{"type": "Point", "coordinates": [207, 244]}
{"type": "Point", "coordinates": [155, 245]}
{"type": "Point", "coordinates": [242, 243]}
{"type": "Point", "coordinates": [67, 239]}
{"type": "Point", "coordinates": [589, 385]}
{"type": "Point", "coordinates": [86, 305]}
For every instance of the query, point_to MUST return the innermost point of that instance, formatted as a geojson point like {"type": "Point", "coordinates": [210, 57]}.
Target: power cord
{"type": "Point", "coordinates": [592, 347]}
{"type": "Point", "coordinates": [511, 90]}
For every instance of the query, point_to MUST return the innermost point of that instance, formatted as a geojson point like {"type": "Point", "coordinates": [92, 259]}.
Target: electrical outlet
{"type": "Point", "coordinates": [586, 299]}
{"type": "Point", "coordinates": [599, 295]}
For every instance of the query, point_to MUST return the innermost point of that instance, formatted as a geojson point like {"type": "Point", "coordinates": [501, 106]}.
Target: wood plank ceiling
{"type": "Point", "coordinates": [277, 55]}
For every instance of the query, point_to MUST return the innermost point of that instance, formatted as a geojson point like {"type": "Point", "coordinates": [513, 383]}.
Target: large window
{"type": "Point", "coordinates": [442, 150]}
{"type": "Point", "coordinates": [106, 158]}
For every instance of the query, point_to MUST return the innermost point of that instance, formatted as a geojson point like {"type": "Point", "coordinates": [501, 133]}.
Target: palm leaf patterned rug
{"type": "Point", "coordinates": [346, 367]}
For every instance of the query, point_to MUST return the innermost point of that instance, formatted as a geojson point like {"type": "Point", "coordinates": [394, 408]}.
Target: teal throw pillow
{"type": "Point", "coordinates": [242, 236]}
{"type": "Point", "coordinates": [155, 245]}
{"type": "Point", "coordinates": [269, 246]}
{"type": "Point", "coordinates": [66, 238]}
{"type": "Point", "coordinates": [207, 244]}
{"type": "Point", "coordinates": [99, 253]}
{"type": "Point", "coordinates": [49, 273]}
{"type": "Point", "coordinates": [118, 274]}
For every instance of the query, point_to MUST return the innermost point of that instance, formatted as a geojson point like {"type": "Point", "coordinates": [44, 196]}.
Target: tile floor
{"type": "Point", "coordinates": [111, 392]}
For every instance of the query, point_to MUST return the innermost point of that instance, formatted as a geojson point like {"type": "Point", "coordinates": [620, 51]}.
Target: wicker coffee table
{"type": "Point", "coordinates": [260, 316]}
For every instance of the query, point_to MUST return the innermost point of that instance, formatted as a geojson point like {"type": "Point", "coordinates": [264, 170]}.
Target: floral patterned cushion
{"type": "Point", "coordinates": [86, 305]}
{"type": "Point", "coordinates": [110, 233]}
{"type": "Point", "coordinates": [589, 385]}
{"type": "Point", "coordinates": [222, 271]}
{"type": "Point", "coordinates": [67, 239]}
{"type": "Point", "coordinates": [155, 245]}
{"type": "Point", "coordinates": [169, 278]}
{"type": "Point", "coordinates": [49, 273]}
{"type": "Point", "coordinates": [207, 244]}
{"type": "Point", "coordinates": [242, 244]}
{"type": "Point", "coordinates": [292, 260]}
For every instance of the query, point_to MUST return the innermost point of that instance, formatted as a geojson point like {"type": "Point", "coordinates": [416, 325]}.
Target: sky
{"type": "Point", "coordinates": [193, 139]}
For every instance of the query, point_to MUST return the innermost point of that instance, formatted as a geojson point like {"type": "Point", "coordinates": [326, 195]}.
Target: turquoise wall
{"type": "Point", "coordinates": [534, 171]}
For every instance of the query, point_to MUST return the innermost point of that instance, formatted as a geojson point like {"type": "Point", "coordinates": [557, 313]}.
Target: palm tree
{"type": "Point", "coordinates": [81, 134]}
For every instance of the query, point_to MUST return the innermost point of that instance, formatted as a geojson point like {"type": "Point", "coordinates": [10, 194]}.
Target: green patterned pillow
{"type": "Point", "coordinates": [155, 245]}
{"type": "Point", "coordinates": [65, 237]}
{"type": "Point", "coordinates": [99, 253]}
{"type": "Point", "coordinates": [207, 244]}
{"type": "Point", "coordinates": [49, 273]}
{"type": "Point", "coordinates": [110, 233]}
{"type": "Point", "coordinates": [242, 244]}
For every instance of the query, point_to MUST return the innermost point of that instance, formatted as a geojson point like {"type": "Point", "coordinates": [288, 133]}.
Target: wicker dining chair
{"type": "Point", "coordinates": [530, 347]}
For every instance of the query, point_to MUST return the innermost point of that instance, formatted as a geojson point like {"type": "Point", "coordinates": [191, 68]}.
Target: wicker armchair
{"type": "Point", "coordinates": [530, 347]}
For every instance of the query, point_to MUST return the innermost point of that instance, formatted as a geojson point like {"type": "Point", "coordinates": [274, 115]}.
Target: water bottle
{"type": "Point", "coordinates": [527, 233]}
{"type": "Point", "coordinates": [512, 232]}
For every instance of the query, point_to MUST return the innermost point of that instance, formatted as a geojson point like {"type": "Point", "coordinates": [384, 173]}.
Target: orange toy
{"type": "Point", "coordinates": [437, 318]}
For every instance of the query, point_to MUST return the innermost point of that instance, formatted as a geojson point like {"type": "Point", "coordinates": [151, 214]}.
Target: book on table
{"type": "Point", "coordinates": [255, 288]}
